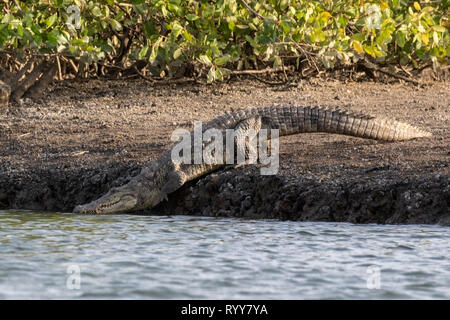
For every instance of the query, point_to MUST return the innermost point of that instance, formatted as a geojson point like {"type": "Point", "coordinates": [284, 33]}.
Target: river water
{"type": "Point", "coordinates": [65, 256]}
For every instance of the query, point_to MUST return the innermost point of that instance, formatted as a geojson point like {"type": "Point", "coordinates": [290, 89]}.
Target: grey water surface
{"type": "Point", "coordinates": [66, 256]}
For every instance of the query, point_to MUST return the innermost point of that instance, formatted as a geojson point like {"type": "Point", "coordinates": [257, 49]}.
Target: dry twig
{"type": "Point", "coordinates": [371, 66]}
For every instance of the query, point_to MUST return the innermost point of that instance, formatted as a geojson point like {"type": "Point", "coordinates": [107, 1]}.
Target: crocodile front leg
{"type": "Point", "coordinates": [175, 180]}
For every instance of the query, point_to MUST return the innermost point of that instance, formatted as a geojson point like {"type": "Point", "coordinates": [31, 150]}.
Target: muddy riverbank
{"type": "Point", "coordinates": [84, 137]}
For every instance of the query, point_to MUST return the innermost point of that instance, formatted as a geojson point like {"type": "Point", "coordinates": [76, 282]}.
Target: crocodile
{"type": "Point", "coordinates": [163, 176]}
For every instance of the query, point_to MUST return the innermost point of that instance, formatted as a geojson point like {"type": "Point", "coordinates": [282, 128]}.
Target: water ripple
{"type": "Point", "coordinates": [182, 257]}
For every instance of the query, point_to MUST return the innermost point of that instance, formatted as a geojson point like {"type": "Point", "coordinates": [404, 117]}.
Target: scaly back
{"type": "Point", "coordinates": [299, 119]}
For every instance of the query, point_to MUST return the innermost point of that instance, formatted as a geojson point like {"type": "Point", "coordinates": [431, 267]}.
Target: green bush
{"type": "Point", "coordinates": [223, 35]}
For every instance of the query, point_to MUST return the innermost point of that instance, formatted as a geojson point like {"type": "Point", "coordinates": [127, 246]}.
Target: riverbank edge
{"type": "Point", "coordinates": [382, 197]}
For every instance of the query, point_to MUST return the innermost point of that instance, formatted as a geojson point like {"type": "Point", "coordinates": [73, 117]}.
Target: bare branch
{"type": "Point", "coordinates": [39, 86]}
{"type": "Point", "coordinates": [5, 92]}
{"type": "Point", "coordinates": [28, 82]}
{"type": "Point", "coordinates": [262, 71]}
{"type": "Point", "coordinates": [371, 66]}
{"type": "Point", "coordinates": [253, 11]}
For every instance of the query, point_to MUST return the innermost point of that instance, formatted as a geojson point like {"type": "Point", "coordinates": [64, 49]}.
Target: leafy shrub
{"type": "Point", "coordinates": [224, 35]}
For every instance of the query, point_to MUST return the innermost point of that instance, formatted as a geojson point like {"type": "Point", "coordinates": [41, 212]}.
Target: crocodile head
{"type": "Point", "coordinates": [117, 200]}
{"type": "Point", "coordinates": [141, 192]}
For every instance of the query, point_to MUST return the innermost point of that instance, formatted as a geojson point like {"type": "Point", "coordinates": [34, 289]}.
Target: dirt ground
{"type": "Point", "coordinates": [83, 137]}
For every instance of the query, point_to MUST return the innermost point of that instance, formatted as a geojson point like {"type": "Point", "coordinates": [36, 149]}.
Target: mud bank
{"type": "Point", "coordinates": [84, 138]}
{"type": "Point", "coordinates": [364, 197]}
{"type": "Point", "coordinates": [390, 200]}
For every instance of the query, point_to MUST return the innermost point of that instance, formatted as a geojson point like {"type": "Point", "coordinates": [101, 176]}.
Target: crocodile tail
{"type": "Point", "coordinates": [366, 126]}
{"type": "Point", "coordinates": [332, 120]}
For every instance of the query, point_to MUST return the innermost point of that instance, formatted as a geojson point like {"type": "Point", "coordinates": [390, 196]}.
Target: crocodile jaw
{"type": "Point", "coordinates": [115, 201]}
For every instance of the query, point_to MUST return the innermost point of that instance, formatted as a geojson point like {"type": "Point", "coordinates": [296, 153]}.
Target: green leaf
{"type": "Point", "coordinates": [370, 50]}
{"type": "Point", "coordinates": [177, 53]}
{"type": "Point", "coordinates": [20, 30]}
{"type": "Point", "coordinates": [205, 60]}
{"type": "Point", "coordinates": [222, 60]}
{"type": "Point", "coordinates": [154, 53]}
{"type": "Point", "coordinates": [7, 18]}
{"type": "Point", "coordinates": [96, 11]}
{"type": "Point", "coordinates": [174, 8]}
{"type": "Point", "coordinates": [191, 17]}
{"type": "Point", "coordinates": [62, 39]}
{"type": "Point", "coordinates": [51, 20]}
{"type": "Point", "coordinates": [400, 38]}
{"type": "Point", "coordinates": [351, 11]}
{"type": "Point", "coordinates": [219, 74]}
{"type": "Point", "coordinates": [231, 25]}
{"type": "Point", "coordinates": [285, 26]}
{"type": "Point", "coordinates": [115, 25]}
{"type": "Point", "coordinates": [359, 37]}
{"type": "Point", "coordinates": [384, 37]}
{"type": "Point", "coordinates": [143, 52]}
{"type": "Point", "coordinates": [164, 11]}
{"type": "Point", "coordinates": [211, 75]}
{"type": "Point", "coordinates": [187, 36]}
{"type": "Point", "coordinates": [176, 29]}
{"type": "Point", "coordinates": [435, 38]}
{"type": "Point", "coordinates": [342, 20]}
{"type": "Point", "coordinates": [439, 28]}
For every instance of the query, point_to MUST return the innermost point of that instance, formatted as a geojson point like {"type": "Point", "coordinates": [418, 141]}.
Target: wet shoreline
{"type": "Point", "coordinates": [83, 138]}
{"type": "Point", "coordinates": [381, 196]}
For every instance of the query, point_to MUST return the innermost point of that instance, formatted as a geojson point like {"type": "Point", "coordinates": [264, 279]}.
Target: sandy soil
{"type": "Point", "coordinates": [75, 143]}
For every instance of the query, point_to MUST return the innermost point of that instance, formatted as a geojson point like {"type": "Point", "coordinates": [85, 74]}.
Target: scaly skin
{"type": "Point", "coordinates": [164, 176]}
